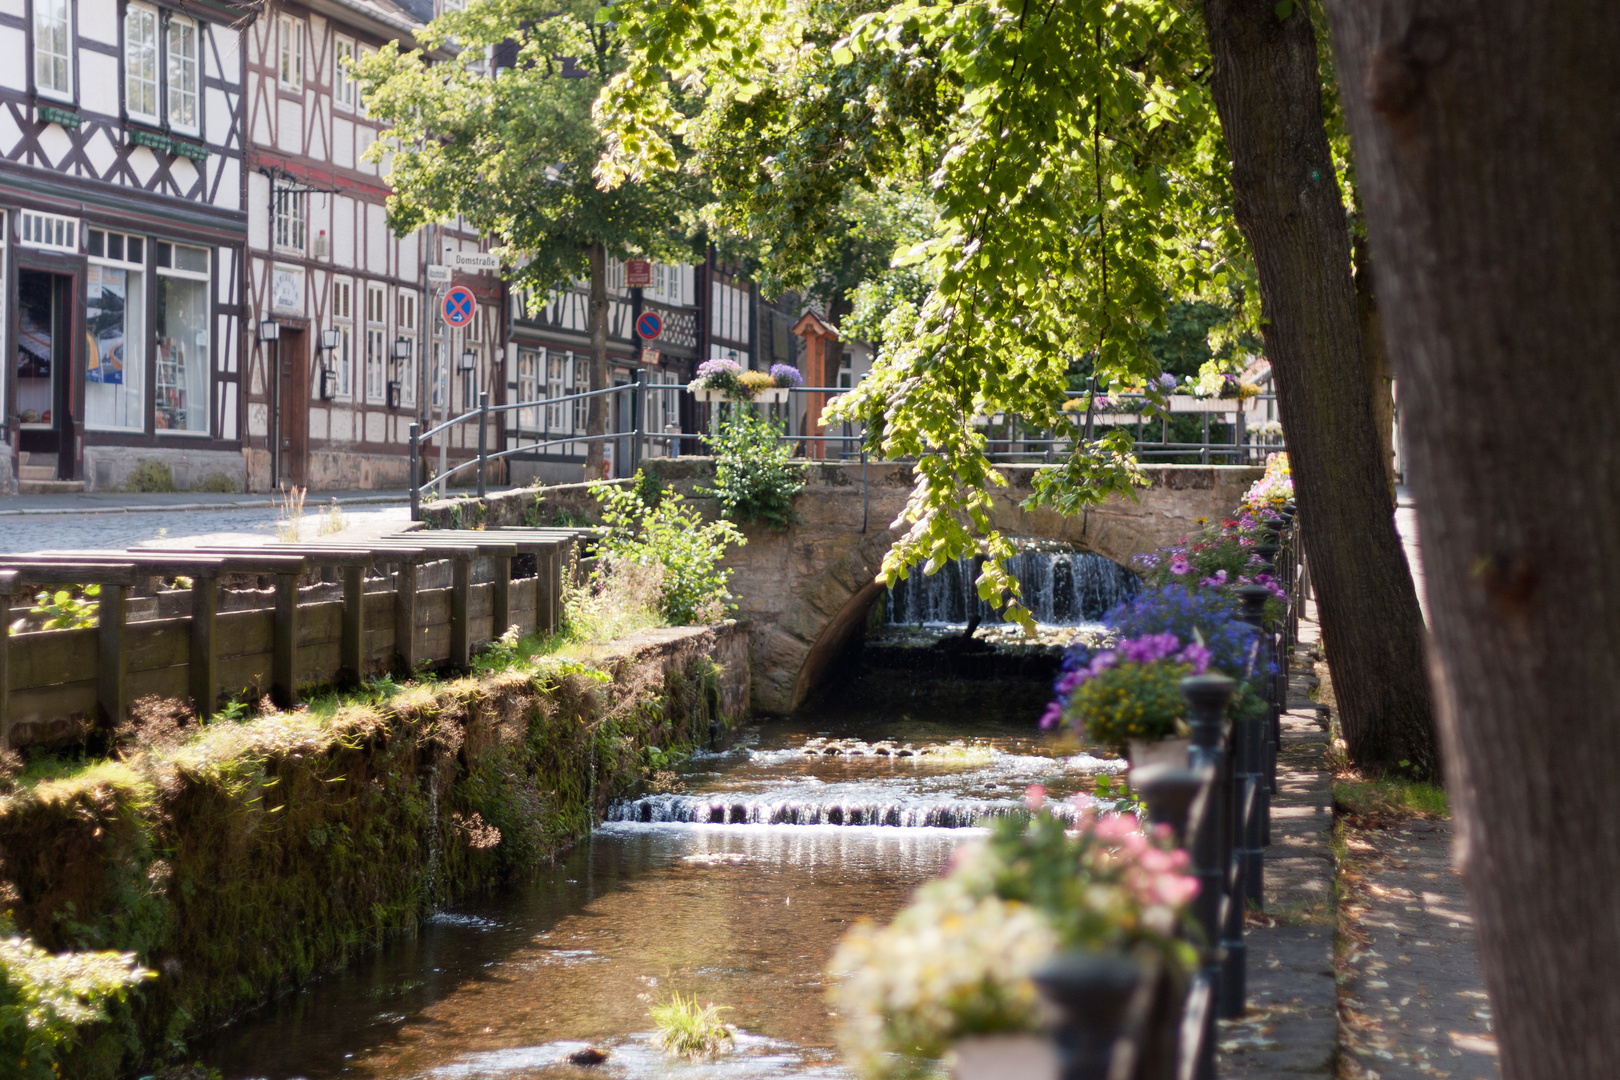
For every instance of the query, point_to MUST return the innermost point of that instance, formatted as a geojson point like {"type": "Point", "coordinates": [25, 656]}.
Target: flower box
{"type": "Point", "coordinates": [776, 395]}
{"type": "Point", "coordinates": [711, 397]}
{"type": "Point", "coordinates": [995, 1057]}
{"type": "Point", "coordinates": [1185, 403]}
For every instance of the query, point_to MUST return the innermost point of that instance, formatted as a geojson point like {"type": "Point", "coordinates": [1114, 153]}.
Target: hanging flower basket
{"type": "Point", "coordinates": [712, 395]}
{"type": "Point", "coordinates": [776, 395]}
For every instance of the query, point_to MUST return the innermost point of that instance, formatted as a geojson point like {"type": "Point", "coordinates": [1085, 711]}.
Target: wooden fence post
{"type": "Point", "coordinates": [284, 666]}
{"type": "Point", "coordinates": [8, 586]}
{"type": "Point", "coordinates": [204, 642]}
{"type": "Point", "coordinates": [460, 599]}
{"type": "Point", "coordinates": [353, 658]}
{"type": "Point", "coordinates": [112, 661]}
{"type": "Point", "coordinates": [502, 595]}
{"type": "Point", "coordinates": [405, 616]}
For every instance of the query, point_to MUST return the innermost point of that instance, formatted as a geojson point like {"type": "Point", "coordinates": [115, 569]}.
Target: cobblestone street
{"type": "Point", "coordinates": [35, 531]}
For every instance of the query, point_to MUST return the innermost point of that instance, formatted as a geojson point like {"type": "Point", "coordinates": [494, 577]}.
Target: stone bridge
{"type": "Point", "coordinates": [807, 589]}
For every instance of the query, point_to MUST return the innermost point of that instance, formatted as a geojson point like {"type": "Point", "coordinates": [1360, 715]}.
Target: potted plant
{"type": "Point", "coordinates": [951, 976]}
{"type": "Point", "coordinates": [719, 380]}
{"type": "Point", "coordinates": [1129, 697]}
{"type": "Point", "coordinates": [784, 378]}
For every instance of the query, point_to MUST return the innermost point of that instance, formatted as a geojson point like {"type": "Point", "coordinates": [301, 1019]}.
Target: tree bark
{"type": "Point", "coordinates": [596, 409]}
{"type": "Point", "coordinates": [1380, 383]}
{"type": "Point", "coordinates": [1268, 92]}
{"type": "Point", "coordinates": [1487, 141]}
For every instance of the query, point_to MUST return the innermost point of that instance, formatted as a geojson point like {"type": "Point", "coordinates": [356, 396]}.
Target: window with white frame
{"type": "Point", "coordinates": [343, 91]}
{"type": "Point", "coordinates": [366, 53]}
{"type": "Point", "coordinates": [528, 388]}
{"type": "Point", "coordinates": [53, 48]}
{"type": "Point", "coordinates": [183, 53]}
{"type": "Point", "coordinates": [292, 222]}
{"type": "Point", "coordinates": [582, 383]}
{"type": "Point", "coordinates": [556, 379]}
{"type": "Point", "coordinates": [183, 339]}
{"type": "Point", "coordinates": [52, 231]}
{"type": "Point", "coordinates": [343, 323]}
{"type": "Point", "coordinates": [405, 368]}
{"type": "Point", "coordinates": [376, 342]}
{"type": "Point", "coordinates": [115, 323]}
{"type": "Point", "coordinates": [290, 69]}
{"type": "Point", "coordinates": [141, 63]}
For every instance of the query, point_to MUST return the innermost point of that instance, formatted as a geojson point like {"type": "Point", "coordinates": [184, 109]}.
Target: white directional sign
{"type": "Point", "coordinates": [474, 260]}
{"type": "Point", "coordinates": [438, 275]}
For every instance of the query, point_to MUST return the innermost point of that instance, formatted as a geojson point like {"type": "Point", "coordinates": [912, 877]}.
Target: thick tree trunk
{"type": "Point", "coordinates": [1380, 383]}
{"type": "Point", "coordinates": [1268, 92]}
{"type": "Point", "coordinates": [1487, 144]}
{"type": "Point", "coordinates": [596, 413]}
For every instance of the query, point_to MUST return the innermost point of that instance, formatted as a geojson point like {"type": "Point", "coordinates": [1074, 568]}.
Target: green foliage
{"type": "Point", "coordinates": [151, 475]}
{"type": "Point", "coordinates": [1131, 701]}
{"type": "Point", "coordinates": [68, 609]}
{"type": "Point", "coordinates": [46, 999]}
{"type": "Point", "coordinates": [754, 478]}
{"type": "Point", "coordinates": [1075, 182]}
{"type": "Point", "coordinates": [687, 1029]}
{"type": "Point", "coordinates": [1389, 800]}
{"type": "Point", "coordinates": [673, 537]}
{"type": "Point", "coordinates": [216, 482]}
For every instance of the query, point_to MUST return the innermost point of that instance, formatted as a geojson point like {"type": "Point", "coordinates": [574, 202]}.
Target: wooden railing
{"type": "Point", "coordinates": [295, 615]}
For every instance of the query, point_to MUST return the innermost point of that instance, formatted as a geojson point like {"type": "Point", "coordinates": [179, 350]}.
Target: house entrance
{"type": "Point", "coordinates": [292, 409]}
{"type": "Point", "coordinates": [44, 365]}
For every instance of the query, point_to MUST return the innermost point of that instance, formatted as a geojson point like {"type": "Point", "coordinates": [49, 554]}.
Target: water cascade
{"type": "Point", "coordinates": [1062, 586]}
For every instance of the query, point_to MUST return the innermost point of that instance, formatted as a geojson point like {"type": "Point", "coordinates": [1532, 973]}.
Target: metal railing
{"type": "Point", "coordinates": [628, 405]}
{"type": "Point", "coordinates": [1125, 1016]}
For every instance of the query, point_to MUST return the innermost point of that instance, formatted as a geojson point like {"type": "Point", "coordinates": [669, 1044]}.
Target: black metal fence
{"type": "Point", "coordinates": [1128, 1018]}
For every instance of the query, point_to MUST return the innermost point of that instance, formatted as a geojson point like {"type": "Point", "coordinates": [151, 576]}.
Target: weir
{"type": "Point", "coordinates": [1062, 585]}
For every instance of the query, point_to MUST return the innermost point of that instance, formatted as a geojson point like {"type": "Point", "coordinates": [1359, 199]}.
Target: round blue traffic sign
{"type": "Point", "coordinates": [649, 326]}
{"type": "Point", "coordinates": [459, 306]}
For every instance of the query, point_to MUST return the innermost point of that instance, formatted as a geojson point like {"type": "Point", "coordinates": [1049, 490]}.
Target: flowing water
{"type": "Point", "coordinates": [735, 889]}
{"type": "Point", "coordinates": [1062, 586]}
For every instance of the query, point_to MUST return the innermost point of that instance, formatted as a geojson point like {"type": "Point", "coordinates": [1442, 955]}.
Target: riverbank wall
{"type": "Point", "coordinates": [242, 861]}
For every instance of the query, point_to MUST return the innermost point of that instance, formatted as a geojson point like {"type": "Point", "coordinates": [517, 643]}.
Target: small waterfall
{"type": "Point", "coordinates": [1062, 587]}
{"type": "Point", "coordinates": [895, 812]}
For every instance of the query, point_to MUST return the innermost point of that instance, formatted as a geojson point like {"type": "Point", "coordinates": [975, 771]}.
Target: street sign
{"type": "Point", "coordinates": [651, 357]}
{"type": "Point", "coordinates": [637, 273]}
{"type": "Point", "coordinates": [438, 275]}
{"type": "Point", "coordinates": [474, 260]}
{"type": "Point", "coordinates": [459, 306]}
{"type": "Point", "coordinates": [649, 326]}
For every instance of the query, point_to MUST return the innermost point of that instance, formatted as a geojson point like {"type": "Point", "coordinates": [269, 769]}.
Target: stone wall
{"type": "Point", "coordinates": [805, 590]}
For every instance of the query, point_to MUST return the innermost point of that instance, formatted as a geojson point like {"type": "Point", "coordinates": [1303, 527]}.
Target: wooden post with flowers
{"type": "Point", "coordinates": [817, 334]}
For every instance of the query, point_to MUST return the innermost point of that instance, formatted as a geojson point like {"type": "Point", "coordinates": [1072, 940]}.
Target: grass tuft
{"type": "Point", "coordinates": [1378, 803]}
{"type": "Point", "coordinates": [687, 1029]}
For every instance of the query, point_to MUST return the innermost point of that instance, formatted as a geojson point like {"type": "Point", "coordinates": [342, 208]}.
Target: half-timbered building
{"type": "Point", "coordinates": [122, 223]}
{"type": "Point", "coordinates": [342, 307]}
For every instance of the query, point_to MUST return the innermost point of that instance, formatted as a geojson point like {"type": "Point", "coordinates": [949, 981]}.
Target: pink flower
{"type": "Point", "coordinates": [1034, 797]}
{"type": "Point", "coordinates": [1179, 565]}
{"type": "Point", "coordinates": [1218, 579]}
{"type": "Point", "coordinates": [1050, 718]}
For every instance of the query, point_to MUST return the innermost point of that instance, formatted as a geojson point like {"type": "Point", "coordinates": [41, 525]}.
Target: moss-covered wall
{"type": "Point", "coordinates": [259, 854]}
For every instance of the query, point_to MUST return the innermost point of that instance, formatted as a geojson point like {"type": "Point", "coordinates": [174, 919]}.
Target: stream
{"type": "Point", "coordinates": [735, 889]}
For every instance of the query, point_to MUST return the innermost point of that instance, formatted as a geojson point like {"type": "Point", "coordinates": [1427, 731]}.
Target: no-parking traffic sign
{"type": "Point", "coordinates": [459, 306]}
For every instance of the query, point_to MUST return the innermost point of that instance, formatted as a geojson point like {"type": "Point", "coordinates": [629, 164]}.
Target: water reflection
{"type": "Point", "coordinates": [745, 917]}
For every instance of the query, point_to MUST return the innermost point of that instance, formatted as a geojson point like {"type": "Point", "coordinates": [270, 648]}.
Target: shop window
{"type": "Point", "coordinates": [183, 352]}
{"type": "Point", "coordinates": [51, 231]}
{"type": "Point", "coordinates": [53, 48]}
{"type": "Point", "coordinates": [114, 320]}
{"type": "Point", "coordinates": [141, 63]}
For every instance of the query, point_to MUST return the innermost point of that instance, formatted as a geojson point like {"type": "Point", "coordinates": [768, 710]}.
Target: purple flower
{"type": "Point", "coordinates": [1050, 718]}
{"type": "Point", "coordinates": [1179, 565]}
{"type": "Point", "coordinates": [1070, 680]}
{"type": "Point", "coordinates": [1216, 581]}
{"type": "Point", "coordinates": [1167, 381]}
{"type": "Point", "coordinates": [1147, 561]}
{"type": "Point", "coordinates": [719, 366]}
{"type": "Point", "coordinates": [786, 375]}
{"type": "Point", "coordinates": [1196, 655]}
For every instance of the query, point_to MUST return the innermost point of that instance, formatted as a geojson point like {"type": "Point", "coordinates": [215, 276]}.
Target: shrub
{"type": "Point", "coordinates": [687, 1029]}
{"type": "Point", "coordinates": [217, 482]}
{"type": "Point", "coordinates": [616, 600]}
{"type": "Point", "coordinates": [1132, 691]}
{"type": "Point", "coordinates": [68, 609]}
{"type": "Point", "coordinates": [754, 478]}
{"type": "Point", "coordinates": [151, 476]}
{"type": "Point", "coordinates": [674, 537]}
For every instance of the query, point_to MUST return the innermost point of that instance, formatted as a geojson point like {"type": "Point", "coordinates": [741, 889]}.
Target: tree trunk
{"type": "Point", "coordinates": [596, 411]}
{"type": "Point", "coordinates": [1487, 143]}
{"type": "Point", "coordinates": [1268, 93]}
{"type": "Point", "coordinates": [1379, 380]}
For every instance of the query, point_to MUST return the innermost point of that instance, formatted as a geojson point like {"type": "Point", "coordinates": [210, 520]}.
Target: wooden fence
{"type": "Point", "coordinates": [294, 616]}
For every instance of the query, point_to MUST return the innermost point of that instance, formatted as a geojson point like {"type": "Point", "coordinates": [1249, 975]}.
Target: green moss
{"type": "Point", "coordinates": [151, 475]}
{"type": "Point", "coordinates": [258, 854]}
{"type": "Point", "coordinates": [217, 482]}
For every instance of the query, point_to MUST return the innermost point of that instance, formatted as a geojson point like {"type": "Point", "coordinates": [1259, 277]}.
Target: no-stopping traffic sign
{"type": "Point", "coordinates": [459, 307]}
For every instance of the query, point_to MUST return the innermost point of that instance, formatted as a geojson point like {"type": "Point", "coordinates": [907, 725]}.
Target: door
{"type": "Point", "coordinates": [292, 422]}
{"type": "Point", "coordinates": [44, 365]}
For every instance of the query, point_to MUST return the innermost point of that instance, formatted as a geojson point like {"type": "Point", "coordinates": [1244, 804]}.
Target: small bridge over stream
{"type": "Point", "coordinates": [806, 590]}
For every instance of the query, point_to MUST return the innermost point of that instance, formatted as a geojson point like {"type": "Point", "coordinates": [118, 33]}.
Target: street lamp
{"type": "Point", "coordinates": [269, 330]}
{"type": "Point", "coordinates": [469, 361]}
{"type": "Point", "coordinates": [330, 339]}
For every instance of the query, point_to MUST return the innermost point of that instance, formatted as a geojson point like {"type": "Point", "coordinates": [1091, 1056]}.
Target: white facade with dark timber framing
{"type": "Point", "coordinates": [123, 218]}
{"type": "Point", "coordinates": [349, 301]}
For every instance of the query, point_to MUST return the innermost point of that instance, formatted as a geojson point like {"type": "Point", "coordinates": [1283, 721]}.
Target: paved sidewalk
{"type": "Point", "coordinates": [129, 502]}
{"type": "Point", "coordinates": [1291, 1029]}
